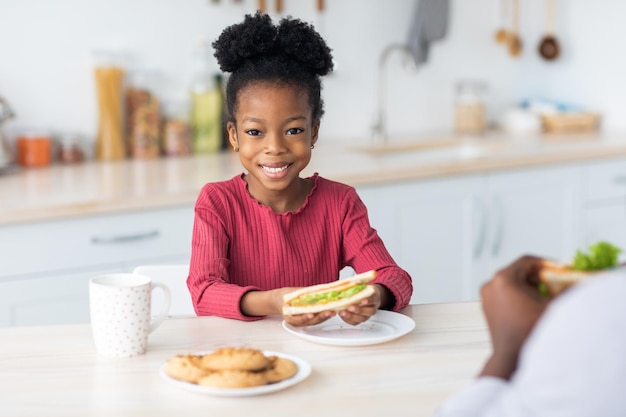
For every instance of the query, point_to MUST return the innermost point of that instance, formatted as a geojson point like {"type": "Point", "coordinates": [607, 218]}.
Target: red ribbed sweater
{"type": "Point", "coordinates": [239, 245]}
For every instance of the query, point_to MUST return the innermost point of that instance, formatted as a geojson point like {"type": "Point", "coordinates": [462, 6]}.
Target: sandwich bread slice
{"type": "Point", "coordinates": [336, 296]}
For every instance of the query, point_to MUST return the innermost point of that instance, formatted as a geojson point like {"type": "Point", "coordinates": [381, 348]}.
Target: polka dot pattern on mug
{"type": "Point", "coordinates": [120, 319]}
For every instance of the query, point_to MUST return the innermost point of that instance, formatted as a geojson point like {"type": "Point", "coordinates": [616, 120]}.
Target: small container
{"type": "Point", "coordinates": [176, 130]}
{"type": "Point", "coordinates": [34, 150]}
{"type": "Point", "coordinates": [470, 115]}
{"type": "Point", "coordinates": [143, 116]}
{"type": "Point", "coordinates": [71, 149]}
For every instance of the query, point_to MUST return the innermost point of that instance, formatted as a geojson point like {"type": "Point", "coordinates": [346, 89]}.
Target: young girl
{"type": "Point", "coordinates": [268, 231]}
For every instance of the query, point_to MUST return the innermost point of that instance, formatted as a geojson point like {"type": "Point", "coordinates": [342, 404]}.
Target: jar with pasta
{"type": "Point", "coordinates": [109, 78]}
{"type": "Point", "coordinates": [143, 117]}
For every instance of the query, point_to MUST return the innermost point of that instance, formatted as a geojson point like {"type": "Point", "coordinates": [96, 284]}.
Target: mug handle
{"type": "Point", "coordinates": [167, 302]}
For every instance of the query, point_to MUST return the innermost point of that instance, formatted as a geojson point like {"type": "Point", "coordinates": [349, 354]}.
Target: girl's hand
{"type": "Point", "coordinates": [309, 319]}
{"type": "Point", "coordinates": [300, 320]}
{"type": "Point", "coordinates": [366, 308]}
{"type": "Point", "coordinates": [354, 314]}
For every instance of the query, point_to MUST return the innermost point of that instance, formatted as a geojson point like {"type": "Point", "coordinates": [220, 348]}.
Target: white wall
{"type": "Point", "coordinates": [46, 60]}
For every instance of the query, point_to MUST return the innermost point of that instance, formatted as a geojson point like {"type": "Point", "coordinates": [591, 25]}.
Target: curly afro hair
{"type": "Point", "coordinates": [290, 53]}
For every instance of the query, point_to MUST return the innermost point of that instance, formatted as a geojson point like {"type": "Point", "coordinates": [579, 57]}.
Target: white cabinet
{"type": "Point", "coordinates": [429, 227]}
{"type": "Point", "coordinates": [46, 266]}
{"type": "Point", "coordinates": [529, 211]}
{"type": "Point", "coordinates": [604, 203]}
{"type": "Point", "coordinates": [452, 234]}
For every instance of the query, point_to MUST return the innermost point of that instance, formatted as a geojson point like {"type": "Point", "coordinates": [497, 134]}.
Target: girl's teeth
{"type": "Point", "coordinates": [275, 170]}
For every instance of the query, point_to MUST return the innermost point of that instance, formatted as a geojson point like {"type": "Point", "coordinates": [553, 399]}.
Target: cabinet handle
{"type": "Point", "coordinates": [480, 242]}
{"type": "Point", "coordinates": [112, 240]}
{"type": "Point", "coordinates": [499, 214]}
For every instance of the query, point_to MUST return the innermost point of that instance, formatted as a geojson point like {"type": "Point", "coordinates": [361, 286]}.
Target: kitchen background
{"type": "Point", "coordinates": [451, 216]}
{"type": "Point", "coordinates": [46, 70]}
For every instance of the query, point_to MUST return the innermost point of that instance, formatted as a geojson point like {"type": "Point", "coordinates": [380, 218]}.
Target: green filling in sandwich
{"type": "Point", "coordinates": [326, 297]}
{"type": "Point", "coordinates": [602, 255]}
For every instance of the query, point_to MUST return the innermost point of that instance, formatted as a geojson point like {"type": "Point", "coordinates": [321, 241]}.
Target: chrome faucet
{"type": "Point", "coordinates": [379, 129]}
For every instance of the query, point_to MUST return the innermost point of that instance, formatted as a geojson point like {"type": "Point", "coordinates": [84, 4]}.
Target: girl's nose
{"type": "Point", "coordinates": [274, 143]}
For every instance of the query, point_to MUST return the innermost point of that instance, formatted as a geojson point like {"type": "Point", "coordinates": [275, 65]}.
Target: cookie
{"type": "Point", "coordinates": [235, 359]}
{"type": "Point", "coordinates": [280, 369]}
{"type": "Point", "coordinates": [233, 379]}
{"type": "Point", "coordinates": [185, 368]}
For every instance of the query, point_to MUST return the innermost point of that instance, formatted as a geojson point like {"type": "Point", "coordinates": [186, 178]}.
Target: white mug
{"type": "Point", "coordinates": [119, 305]}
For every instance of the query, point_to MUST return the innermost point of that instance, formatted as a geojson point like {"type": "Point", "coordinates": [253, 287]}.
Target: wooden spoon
{"type": "Point", "coordinates": [515, 42]}
{"type": "Point", "coordinates": [502, 34]}
{"type": "Point", "coordinates": [549, 47]}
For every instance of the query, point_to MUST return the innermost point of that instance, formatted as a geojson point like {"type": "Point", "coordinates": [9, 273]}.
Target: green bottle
{"type": "Point", "coordinates": [206, 116]}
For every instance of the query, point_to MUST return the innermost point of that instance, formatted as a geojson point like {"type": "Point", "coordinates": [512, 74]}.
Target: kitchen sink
{"type": "Point", "coordinates": [447, 147]}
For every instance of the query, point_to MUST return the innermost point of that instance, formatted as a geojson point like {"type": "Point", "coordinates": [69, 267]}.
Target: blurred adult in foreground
{"type": "Point", "coordinates": [564, 357]}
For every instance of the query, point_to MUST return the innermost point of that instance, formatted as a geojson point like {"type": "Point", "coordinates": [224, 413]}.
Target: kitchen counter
{"type": "Point", "coordinates": [62, 191]}
{"type": "Point", "coordinates": [55, 371]}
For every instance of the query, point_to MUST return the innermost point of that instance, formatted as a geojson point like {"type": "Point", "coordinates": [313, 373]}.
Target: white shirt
{"type": "Point", "coordinates": [573, 364]}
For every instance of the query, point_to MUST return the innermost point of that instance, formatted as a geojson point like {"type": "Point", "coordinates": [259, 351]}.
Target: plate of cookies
{"type": "Point", "coordinates": [235, 371]}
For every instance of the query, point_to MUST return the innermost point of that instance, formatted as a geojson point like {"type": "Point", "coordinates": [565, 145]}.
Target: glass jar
{"type": "Point", "coordinates": [34, 149]}
{"type": "Point", "coordinates": [470, 115]}
{"type": "Point", "coordinates": [176, 129]}
{"type": "Point", "coordinates": [109, 77]}
{"type": "Point", "coordinates": [143, 115]}
{"type": "Point", "coordinates": [71, 149]}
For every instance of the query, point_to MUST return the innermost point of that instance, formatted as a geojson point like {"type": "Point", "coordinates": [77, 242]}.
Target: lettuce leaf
{"type": "Point", "coordinates": [601, 255]}
{"type": "Point", "coordinates": [326, 297]}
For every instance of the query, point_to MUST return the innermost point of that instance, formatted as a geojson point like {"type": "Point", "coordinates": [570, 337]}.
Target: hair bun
{"type": "Point", "coordinates": [301, 42]}
{"type": "Point", "coordinates": [238, 43]}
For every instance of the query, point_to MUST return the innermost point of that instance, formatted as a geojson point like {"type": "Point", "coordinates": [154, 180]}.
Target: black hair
{"type": "Point", "coordinates": [290, 53]}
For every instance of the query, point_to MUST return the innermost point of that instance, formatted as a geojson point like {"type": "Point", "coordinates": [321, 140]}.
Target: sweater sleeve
{"type": "Point", "coordinates": [208, 282]}
{"type": "Point", "coordinates": [364, 250]}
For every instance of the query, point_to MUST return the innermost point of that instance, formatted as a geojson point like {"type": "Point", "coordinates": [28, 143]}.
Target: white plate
{"type": "Point", "coordinates": [381, 327]}
{"type": "Point", "coordinates": [304, 370]}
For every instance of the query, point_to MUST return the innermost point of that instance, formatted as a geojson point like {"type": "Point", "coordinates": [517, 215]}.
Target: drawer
{"type": "Point", "coordinates": [605, 180]}
{"type": "Point", "coordinates": [95, 241]}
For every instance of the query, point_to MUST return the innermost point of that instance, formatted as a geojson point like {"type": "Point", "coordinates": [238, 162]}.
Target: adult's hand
{"type": "Point", "coordinates": [512, 306]}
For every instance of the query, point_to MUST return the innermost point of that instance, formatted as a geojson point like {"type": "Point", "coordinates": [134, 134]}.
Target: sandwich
{"type": "Point", "coordinates": [334, 296]}
{"type": "Point", "coordinates": [556, 277]}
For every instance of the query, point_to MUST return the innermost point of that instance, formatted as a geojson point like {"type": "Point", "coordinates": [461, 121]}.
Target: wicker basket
{"type": "Point", "coordinates": [569, 122]}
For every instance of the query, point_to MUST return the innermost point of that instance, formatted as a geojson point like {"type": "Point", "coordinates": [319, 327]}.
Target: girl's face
{"type": "Point", "coordinates": [274, 132]}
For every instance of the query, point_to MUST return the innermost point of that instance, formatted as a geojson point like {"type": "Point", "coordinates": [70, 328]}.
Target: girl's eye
{"type": "Point", "coordinates": [253, 132]}
{"type": "Point", "coordinates": [295, 131]}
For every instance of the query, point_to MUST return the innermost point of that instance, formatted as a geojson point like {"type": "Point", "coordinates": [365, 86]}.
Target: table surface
{"type": "Point", "coordinates": [55, 371]}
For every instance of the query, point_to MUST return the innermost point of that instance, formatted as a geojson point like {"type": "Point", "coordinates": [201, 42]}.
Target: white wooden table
{"type": "Point", "coordinates": [55, 371]}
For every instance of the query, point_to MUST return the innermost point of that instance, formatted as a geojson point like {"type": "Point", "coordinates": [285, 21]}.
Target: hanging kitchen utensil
{"type": "Point", "coordinates": [320, 5]}
{"type": "Point", "coordinates": [502, 35]}
{"type": "Point", "coordinates": [515, 42]}
{"type": "Point", "coordinates": [279, 6]}
{"type": "Point", "coordinates": [549, 47]}
{"type": "Point", "coordinates": [6, 113]}
{"type": "Point", "coordinates": [261, 6]}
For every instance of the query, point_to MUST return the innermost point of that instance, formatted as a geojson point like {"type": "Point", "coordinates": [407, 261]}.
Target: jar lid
{"type": "Point", "coordinates": [34, 135]}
